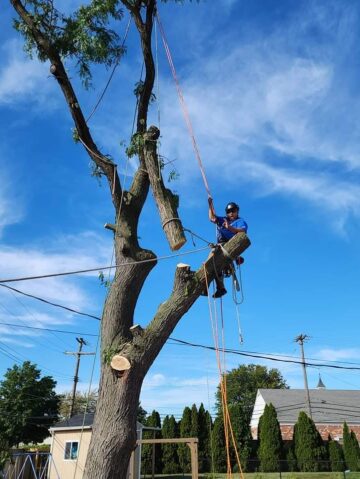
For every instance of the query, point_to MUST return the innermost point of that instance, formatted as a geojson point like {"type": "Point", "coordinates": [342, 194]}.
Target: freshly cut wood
{"type": "Point", "coordinates": [166, 201]}
{"type": "Point", "coordinates": [120, 363]}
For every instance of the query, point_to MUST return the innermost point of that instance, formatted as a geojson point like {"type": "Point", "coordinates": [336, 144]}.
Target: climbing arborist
{"type": "Point", "coordinates": [227, 227]}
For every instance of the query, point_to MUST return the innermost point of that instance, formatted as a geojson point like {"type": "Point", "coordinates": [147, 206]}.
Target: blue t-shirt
{"type": "Point", "coordinates": [224, 234]}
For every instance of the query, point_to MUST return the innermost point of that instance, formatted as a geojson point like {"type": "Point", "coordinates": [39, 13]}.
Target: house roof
{"type": "Point", "coordinates": [330, 406]}
{"type": "Point", "coordinates": [75, 422]}
{"type": "Point", "coordinates": [80, 422]}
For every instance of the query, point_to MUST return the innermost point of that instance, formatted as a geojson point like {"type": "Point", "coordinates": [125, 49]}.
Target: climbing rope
{"type": "Point", "coordinates": [111, 74]}
{"type": "Point", "coordinates": [221, 363]}
{"type": "Point", "coordinates": [183, 105]}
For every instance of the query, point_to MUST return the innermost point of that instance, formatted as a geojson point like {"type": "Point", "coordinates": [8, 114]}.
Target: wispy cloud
{"type": "Point", "coordinates": [269, 111]}
{"type": "Point", "coordinates": [329, 354]}
{"type": "Point", "coordinates": [23, 79]}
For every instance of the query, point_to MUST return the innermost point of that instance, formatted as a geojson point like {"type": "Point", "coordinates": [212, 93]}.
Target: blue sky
{"type": "Point", "coordinates": [273, 93]}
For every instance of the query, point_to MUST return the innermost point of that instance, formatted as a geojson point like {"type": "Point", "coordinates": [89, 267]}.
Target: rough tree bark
{"type": "Point", "coordinates": [114, 428]}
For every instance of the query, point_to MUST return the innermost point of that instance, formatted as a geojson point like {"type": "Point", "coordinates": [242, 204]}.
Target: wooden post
{"type": "Point", "coordinates": [165, 200]}
{"type": "Point", "coordinates": [192, 442]}
{"type": "Point", "coordinates": [194, 459]}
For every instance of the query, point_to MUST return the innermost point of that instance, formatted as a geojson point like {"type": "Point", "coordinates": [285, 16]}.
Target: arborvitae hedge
{"type": "Point", "coordinates": [309, 447]}
{"type": "Point", "coordinates": [270, 449]}
{"type": "Point", "coordinates": [218, 445]}
{"type": "Point", "coordinates": [170, 457]}
{"type": "Point", "coordinates": [205, 424]}
{"type": "Point", "coordinates": [336, 456]}
{"type": "Point", "coordinates": [183, 449]}
{"type": "Point", "coordinates": [351, 449]}
{"type": "Point", "coordinates": [147, 449]}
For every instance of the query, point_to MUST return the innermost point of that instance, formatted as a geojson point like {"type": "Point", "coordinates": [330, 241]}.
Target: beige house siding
{"type": "Point", "coordinates": [61, 468]}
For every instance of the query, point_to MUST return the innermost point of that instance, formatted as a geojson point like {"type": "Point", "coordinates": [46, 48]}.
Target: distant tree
{"type": "Point", "coordinates": [271, 444]}
{"type": "Point", "coordinates": [194, 432]}
{"type": "Point", "coordinates": [141, 414]}
{"type": "Point", "coordinates": [29, 405]}
{"type": "Point", "coordinates": [336, 455]}
{"type": "Point", "coordinates": [83, 402]}
{"type": "Point", "coordinates": [351, 449]}
{"type": "Point", "coordinates": [309, 447]}
{"type": "Point", "coordinates": [205, 425]}
{"type": "Point", "coordinates": [218, 445]}
{"type": "Point", "coordinates": [170, 458]}
{"type": "Point", "coordinates": [243, 382]}
{"type": "Point", "coordinates": [148, 451]}
{"type": "Point", "coordinates": [185, 431]}
{"type": "Point", "coordinates": [4, 453]}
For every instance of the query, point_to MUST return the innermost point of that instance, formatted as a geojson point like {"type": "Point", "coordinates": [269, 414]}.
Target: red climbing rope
{"type": "Point", "coordinates": [183, 104]}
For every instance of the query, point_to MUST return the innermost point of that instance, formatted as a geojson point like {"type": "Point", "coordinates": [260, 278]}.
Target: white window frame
{"type": "Point", "coordinates": [71, 442]}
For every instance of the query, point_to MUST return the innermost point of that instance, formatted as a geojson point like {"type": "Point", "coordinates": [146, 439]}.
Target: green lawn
{"type": "Point", "coordinates": [263, 475]}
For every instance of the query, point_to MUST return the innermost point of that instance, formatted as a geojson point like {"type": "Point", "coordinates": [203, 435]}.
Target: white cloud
{"type": "Point", "coordinates": [23, 79]}
{"type": "Point", "coordinates": [10, 210]}
{"type": "Point", "coordinates": [329, 354]}
{"type": "Point", "coordinates": [263, 109]}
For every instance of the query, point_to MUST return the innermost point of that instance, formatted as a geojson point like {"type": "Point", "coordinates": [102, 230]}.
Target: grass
{"type": "Point", "coordinates": [263, 475]}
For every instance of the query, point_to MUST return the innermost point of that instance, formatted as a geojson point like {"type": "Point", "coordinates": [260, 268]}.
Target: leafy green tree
{"type": "Point", "coordinates": [150, 452]}
{"type": "Point", "coordinates": [336, 455]}
{"type": "Point", "coordinates": [351, 449]}
{"type": "Point", "coordinates": [185, 431]}
{"type": "Point", "coordinates": [309, 447]}
{"type": "Point", "coordinates": [170, 458]}
{"type": "Point", "coordinates": [28, 405]}
{"type": "Point", "coordinates": [141, 414]}
{"type": "Point", "coordinates": [243, 382]}
{"type": "Point", "coordinates": [271, 444]}
{"type": "Point", "coordinates": [83, 402]}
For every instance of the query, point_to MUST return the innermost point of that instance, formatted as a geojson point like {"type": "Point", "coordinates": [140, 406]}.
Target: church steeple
{"type": "Point", "coordinates": [320, 384]}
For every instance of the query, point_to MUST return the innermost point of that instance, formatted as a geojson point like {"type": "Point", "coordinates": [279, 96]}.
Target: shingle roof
{"type": "Point", "coordinates": [75, 421]}
{"type": "Point", "coordinates": [331, 406]}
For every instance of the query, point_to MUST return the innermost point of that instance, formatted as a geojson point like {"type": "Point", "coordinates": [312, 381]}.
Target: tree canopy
{"type": "Point", "coordinates": [28, 406]}
{"type": "Point", "coordinates": [243, 382]}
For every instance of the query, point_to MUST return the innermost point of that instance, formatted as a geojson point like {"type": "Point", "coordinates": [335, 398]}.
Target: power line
{"type": "Point", "coordinates": [49, 302]}
{"type": "Point", "coordinates": [63, 331]}
{"type": "Point", "coordinates": [101, 268]}
{"type": "Point", "coordinates": [263, 356]}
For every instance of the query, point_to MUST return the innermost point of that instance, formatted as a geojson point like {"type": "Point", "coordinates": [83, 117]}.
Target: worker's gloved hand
{"type": "Point", "coordinates": [211, 202]}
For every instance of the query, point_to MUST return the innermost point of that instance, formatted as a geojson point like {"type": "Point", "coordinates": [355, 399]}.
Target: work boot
{"type": "Point", "coordinates": [219, 292]}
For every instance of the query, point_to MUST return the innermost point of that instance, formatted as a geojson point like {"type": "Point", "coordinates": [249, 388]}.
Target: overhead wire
{"type": "Point", "coordinates": [62, 331]}
{"type": "Point", "coordinates": [100, 268]}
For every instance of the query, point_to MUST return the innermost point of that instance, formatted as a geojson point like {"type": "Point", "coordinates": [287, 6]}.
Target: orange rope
{"type": "Point", "coordinates": [223, 388]}
{"type": "Point", "coordinates": [183, 105]}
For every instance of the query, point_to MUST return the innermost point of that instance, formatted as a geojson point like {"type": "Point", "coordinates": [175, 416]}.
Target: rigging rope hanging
{"type": "Point", "coordinates": [111, 74]}
{"type": "Point", "coordinates": [183, 105]}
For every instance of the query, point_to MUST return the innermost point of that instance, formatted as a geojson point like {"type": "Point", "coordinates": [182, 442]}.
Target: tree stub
{"type": "Point", "coordinates": [120, 363]}
{"type": "Point", "coordinates": [165, 200]}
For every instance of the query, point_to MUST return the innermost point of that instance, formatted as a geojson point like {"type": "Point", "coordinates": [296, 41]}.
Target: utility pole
{"type": "Point", "coordinates": [78, 355]}
{"type": "Point", "coordinates": [300, 339]}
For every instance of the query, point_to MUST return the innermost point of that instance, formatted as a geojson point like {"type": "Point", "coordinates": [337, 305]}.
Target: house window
{"type": "Point", "coordinates": [71, 450]}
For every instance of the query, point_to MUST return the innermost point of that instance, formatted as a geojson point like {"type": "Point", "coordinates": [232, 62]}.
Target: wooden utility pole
{"type": "Point", "coordinates": [300, 339]}
{"type": "Point", "coordinates": [78, 355]}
